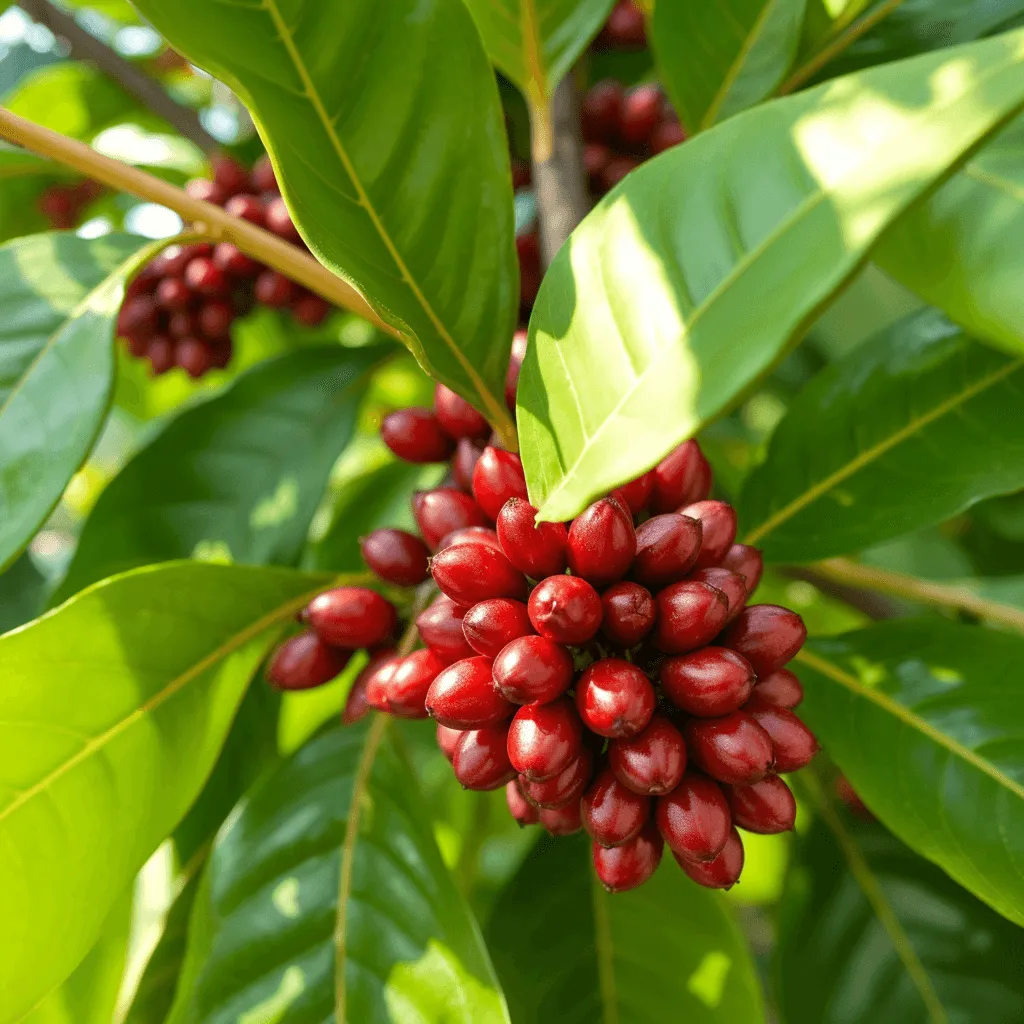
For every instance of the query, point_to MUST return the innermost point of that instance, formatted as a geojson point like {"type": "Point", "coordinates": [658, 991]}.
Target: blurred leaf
{"type": "Point", "coordinates": [155, 151]}
{"type": "Point", "coordinates": [720, 261]}
{"type": "Point", "coordinates": [921, 405]}
{"type": "Point", "coordinates": [926, 720]}
{"type": "Point", "coordinates": [164, 656]}
{"type": "Point", "coordinates": [22, 593]}
{"type": "Point", "coordinates": [823, 616]}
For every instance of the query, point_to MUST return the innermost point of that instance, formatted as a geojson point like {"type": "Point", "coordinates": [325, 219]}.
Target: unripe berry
{"type": "Point", "coordinates": [766, 807]}
{"type": "Point", "coordinates": [352, 617]}
{"type": "Point", "coordinates": [469, 573]}
{"type": "Point", "coordinates": [615, 698]}
{"type": "Point", "coordinates": [667, 547]}
{"type": "Point", "coordinates": [629, 613]}
{"type": "Point", "coordinates": [747, 561]}
{"type": "Point", "coordinates": [279, 220]}
{"type": "Point", "coordinates": [565, 609]}
{"type": "Point", "coordinates": [204, 277]}
{"type": "Point", "coordinates": [636, 495]}
{"type": "Point", "coordinates": [621, 868]}
{"type": "Point", "coordinates": [415, 435]}
{"type": "Point", "coordinates": [518, 806]}
{"type": "Point", "coordinates": [442, 511]}
{"type": "Point", "coordinates": [498, 476]}
{"type": "Point", "coordinates": [396, 557]}
{"type": "Point", "coordinates": [709, 683]}
{"type": "Point", "coordinates": [767, 636]}
{"type": "Point", "coordinates": [611, 813]}
{"type": "Point", "coordinates": [681, 478]}
{"type": "Point", "coordinates": [566, 787]}
{"type": "Point", "coordinates": [600, 112]}
{"type": "Point", "coordinates": [533, 668]}
{"type": "Point", "coordinates": [602, 542]}
{"type": "Point", "coordinates": [493, 624]}
{"type": "Point", "coordinates": [561, 821]}
{"type": "Point", "coordinates": [463, 696]}
{"type": "Point", "coordinates": [793, 744]}
{"type": "Point", "coordinates": [718, 530]}
{"type": "Point", "coordinates": [376, 671]}
{"type": "Point", "coordinates": [448, 740]}
{"type": "Point", "coordinates": [781, 688]}
{"type": "Point", "coordinates": [731, 584]}
{"type": "Point", "coordinates": [721, 873]}
{"type": "Point", "coordinates": [481, 761]}
{"type": "Point", "coordinates": [653, 761]}
{"type": "Point", "coordinates": [305, 661]}
{"type": "Point", "coordinates": [694, 818]}
{"type": "Point", "coordinates": [690, 615]}
{"type": "Point", "coordinates": [409, 682]}
{"type": "Point", "coordinates": [538, 549]}
{"type": "Point", "coordinates": [463, 462]}
{"type": "Point", "coordinates": [544, 739]}
{"type": "Point", "coordinates": [247, 207]}
{"type": "Point", "coordinates": [378, 675]}
{"type": "Point", "coordinates": [640, 114]}
{"type": "Point", "coordinates": [470, 535]}
{"type": "Point", "coordinates": [457, 416]}
{"type": "Point", "coordinates": [732, 749]}
{"type": "Point", "coordinates": [440, 628]}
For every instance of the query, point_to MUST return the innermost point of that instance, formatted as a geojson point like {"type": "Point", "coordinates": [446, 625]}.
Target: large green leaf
{"type": "Point", "coordinates": [926, 718]}
{"type": "Point", "coordinates": [718, 59]}
{"type": "Point", "coordinates": [236, 478]}
{"type": "Point", "coordinates": [59, 298]}
{"type": "Point", "coordinates": [22, 591]}
{"type": "Point", "coordinates": [690, 279]}
{"type": "Point", "coordinates": [112, 713]}
{"type": "Point", "coordinates": [872, 934]}
{"type": "Point", "coordinates": [567, 952]}
{"type": "Point", "coordinates": [916, 425]}
{"type": "Point", "coordinates": [384, 124]}
{"type": "Point", "coordinates": [342, 816]}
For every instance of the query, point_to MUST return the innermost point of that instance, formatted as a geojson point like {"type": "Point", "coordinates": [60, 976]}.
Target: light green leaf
{"type": "Point", "coordinates": [112, 713]}
{"type": "Point", "coordinates": [689, 280]}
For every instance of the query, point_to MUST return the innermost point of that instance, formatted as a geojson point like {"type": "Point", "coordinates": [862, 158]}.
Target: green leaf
{"type": "Point", "coordinates": [925, 719]}
{"type": "Point", "coordinates": [689, 280]}
{"type": "Point", "coordinates": [236, 478]}
{"type": "Point", "coordinates": [343, 815]}
{"type": "Point", "coordinates": [59, 298]}
{"type": "Point", "coordinates": [718, 59]}
{"type": "Point", "coordinates": [915, 426]}
{"type": "Point", "coordinates": [872, 934]}
{"type": "Point", "coordinates": [22, 592]}
{"type": "Point", "coordinates": [567, 952]}
{"type": "Point", "coordinates": [113, 710]}
{"type": "Point", "coordinates": [392, 156]}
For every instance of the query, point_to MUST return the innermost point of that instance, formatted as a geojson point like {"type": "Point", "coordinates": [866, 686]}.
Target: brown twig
{"type": "Point", "coordinates": [872, 605]}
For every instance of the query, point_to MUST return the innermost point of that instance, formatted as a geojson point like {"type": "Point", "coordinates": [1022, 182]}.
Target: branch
{"type": "Point", "coordinates": [873, 606]}
{"type": "Point", "coordinates": [149, 92]}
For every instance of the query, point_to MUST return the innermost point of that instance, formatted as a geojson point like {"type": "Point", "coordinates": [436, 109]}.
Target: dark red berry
{"type": "Point", "coordinates": [182, 324]}
{"type": "Point", "coordinates": [667, 547]}
{"type": "Point", "coordinates": [653, 761]}
{"type": "Point", "coordinates": [625, 26]}
{"type": "Point", "coordinates": [463, 696]}
{"type": "Point", "coordinates": [203, 276]}
{"type": "Point", "coordinates": [470, 535]}
{"type": "Point", "coordinates": [352, 617]}
{"type": "Point", "coordinates": [767, 636]}
{"type": "Point", "coordinates": [481, 760]}
{"type": "Point", "coordinates": [596, 157]}
{"type": "Point", "coordinates": [640, 114]}
{"type": "Point", "coordinates": [493, 624]}
{"type": "Point", "coordinates": [138, 317]}
{"type": "Point", "coordinates": [709, 683]}
{"type": "Point", "coordinates": [518, 806]}
{"type": "Point", "coordinates": [519, 340]}
{"type": "Point", "coordinates": [443, 511]}
{"type": "Point", "coordinates": [448, 740]}
{"type": "Point", "coordinates": [721, 873]}
{"type": "Point", "coordinates": [561, 821]}
{"type": "Point", "coordinates": [538, 549]}
{"type": "Point", "coordinates": [718, 530]}
{"type": "Point", "coordinates": [668, 134]}
{"type": "Point", "coordinates": [359, 700]}
{"type": "Point", "coordinates": [356, 705]}
{"type": "Point", "coordinates": [681, 478]}
{"type": "Point", "coordinates": [731, 584]}
{"type": "Point", "coordinates": [611, 813]}
{"type": "Point", "coordinates": [305, 661]}
{"type": "Point", "coordinates": [533, 668]}
{"type": "Point", "coordinates": [463, 462]}
{"type": "Point", "coordinates": [498, 476]}
{"type": "Point", "coordinates": [470, 573]}
{"type": "Point", "coordinates": [566, 787]}
{"type": "Point", "coordinates": [262, 176]}
{"type": "Point", "coordinates": [247, 207]}
{"type": "Point", "coordinates": [732, 749]}
{"type": "Point", "coordinates": [690, 615]}
{"type": "Point", "coordinates": [747, 561]}
{"type": "Point", "coordinates": [160, 354]}
{"type": "Point", "coordinates": [396, 557]}
{"type": "Point", "coordinates": [601, 109]}
{"type": "Point", "coordinates": [230, 259]}
{"type": "Point", "coordinates": [310, 310]}
{"type": "Point", "coordinates": [440, 628]}
{"type": "Point", "coordinates": [378, 675]}
{"type": "Point", "coordinates": [229, 174]}
{"type": "Point", "coordinates": [602, 542]}
{"type": "Point", "coordinates": [766, 807]}
{"type": "Point", "coordinates": [409, 681]}
{"type": "Point", "coordinates": [852, 799]}
{"type": "Point", "coordinates": [457, 416]}
{"type": "Point", "coordinates": [629, 613]}
{"type": "Point", "coordinates": [615, 170]}
{"type": "Point", "coordinates": [193, 356]}
{"type": "Point", "coordinates": [621, 868]}
{"type": "Point", "coordinates": [793, 743]}
{"type": "Point", "coordinates": [636, 495]}
{"type": "Point", "coordinates": [220, 353]}
{"type": "Point", "coordinates": [274, 289]}
{"type": "Point", "coordinates": [215, 318]}
{"type": "Point", "coordinates": [280, 222]}
{"type": "Point", "coordinates": [694, 818]}
{"type": "Point", "coordinates": [544, 739]}
{"type": "Point", "coordinates": [615, 698]}
{"type": "Point", "coordinates": [565, 609]}
{"type": "Point", "coordinates": [172, 294]}
{"type": "Point", "coordinates": [781, 687]}
{"type": "Point", "coordinates": [206, 191]}
{"type": "Point", "coordinates": [415, 435]}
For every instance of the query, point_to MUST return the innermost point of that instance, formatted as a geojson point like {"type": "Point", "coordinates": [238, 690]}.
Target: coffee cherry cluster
{"type": "Point", "coordinates": [624, 30]}
{"type": "Point", "coordinates": [179, 309]}
{"type": "Point", "coordinates": [63, 205]}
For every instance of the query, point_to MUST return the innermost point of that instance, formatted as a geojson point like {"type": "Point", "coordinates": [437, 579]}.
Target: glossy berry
{"type": "Point", "coordinates": [694, 818]}
{"type": "Point", "coordinates": [352, 617]}
{"type": "Point", "coordinates": [667, 547]}
{"type": "Point", "coordinates": [538, 549]}
{"type": "Point", "coordinates": [396, 557]}
{"type": "Point", "coordinates": [415, 435]}
{"type": "Point", "coordinates": [442, 511]}
{"type": "Point", "coordinates": [448, 740]}
{"type": "Point", "coordinates": [518, 806]}
{"type": "Point", "coordinates": [640, 114]}
{"type": "Point", "coordinates": [747, 561]}
{"type": "Point", "coordinates": [781, 688]}
{"type": "Point", "coordinates": [463, 696]}
{"type": "Point", "coordinates": [600, 111]}
{"type": "Point", "coordinates": [653, 761]}
{"type": "Point", "coordinates": [532, 668]}
{"type": "Point", "coordinates": [731, 584]}
{"type": "Point", "coordinates": [718, 530]}
{"type": "Point", "coordinates": [493, 624]}
{"type": "Point", "coordinates": [636, 495]}
{"type": "Point", "coordinates": [470, 535]}
{"type": "Point", "coordinates": [793, 744]}
{"type": "Point", "coordinates": [732, 749]}
{"type": "Point", "coordinates": [629, 613]}
{"type": "Point", "coordinates": [566, 787]}
{"type": "Point", "coordinates": [498, 476]}
{"type": "Point", "coordinates": [767, 636]}
{"type": "Point", "coordinates": [565, 609]}
{"type": "Point", "coordinates": [690, 615]}
{"type": "Point", "coordinates": [721, 873]}
{"type": "Point", "coordinates": [766, 807]}
{"type": "Point", "coordinates": [481, 760]}
{"type": "Point", "coordinates": [681, 478]}
{"type": "Point", "coordinates": [378, 675]}
{"type": "Point", "coordinates": [561, 821]}
{"type": "Point", "coordinates": [305, 661]}
{"type": "Point", "coordinates": [463, 462]}
{"type": "Point", "coordinates": [602, 542]}
{"type": "Point", "coordinates": [457, 416]}
{"type": "Point", "coordinates": [440, 628]}
{"type": "Point", "coordinates": [469, 573]}
{"type": "Point", "coordinates": [621, 868]}
{"type": "Point", "coordinates": [409, 682]}
{"type": "Point", "coordinates": [615, 698]}
{"type": "Point", "coordinates": [544, 739]}
{"type": "Point", "coordinates": [611, 813]}
{"type": "Point", "coordinates": [709, 683]}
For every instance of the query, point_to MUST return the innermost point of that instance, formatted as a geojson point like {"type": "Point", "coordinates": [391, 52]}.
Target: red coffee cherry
{"type": "Point", "coordinates": [470, 535]}
{"type": "Point", "coordinates": [442, 511]}
{"type": "Point", "coordinates": [203, 276]}
{"type": "Point", "coordinates": [463, 462]}
{"type": "Point", "coordinates": [690, 615]}
{"type": "Point", "coordinates": [193, 356]}
{"type": "Point", "coordinates": [544, 739]}
{"type": "Point", "coordinates": [138, 317]}
{"type": "Point", "coordinates": [636, 495]}
{"type": "Point", "coordinates": [532, 668]}
{"type": "Point", "coordinates": [351, 617]}
{"type": "Point", "coordinates": [565, 609]}
{"type": "Point", "coordinates": [653, 761]}
{"type": "Point", "coordinates": [182, 325]}
{"type": "Point", "coordinates": [732, 749]}
{"type": "Point", "coordinates": [640, 114]}
{"type": "Point", "coordinates": [409, 681]}
{"type": "Point", "coordinates": [667, 547]}
{"type": "Point", "coordinates": [851, 798]}
{"type": "Point", "coordinates": [766, 807]}
{"type": "Point", "coordinates": [718, 530]}
{"type": "Point", "coordinates": [469, 573]}
{"type": "Point", "coordinates": [172, 294]}
{"type": "Point", "coordinates": [565, 788]}
{"type": "Point", "coordinates": [378, 675]}
{"type": "Point", "coordinates": [681, 478]}
{"type": "Point", "coordinates": [206, 191]}
{"type": "Point", "coordinates": [709, 683]}
{"type": "Point", "coordinates": [396, 557]}
{"type": "Point", "coordinates": [747, 561]}
{"type": "Point", "coordinates": [310, 310]}
{"type": "Point", "coordinates": [491, 625]}
{"type": "Point", "coordinates": [538, 549]}
{"type": "Point", "coordinates": [731, 584]}
{"type": "Point", "coordinates": [247, 207]}
{"type": "Point", "coordinates": [275, 290]}
{"type": "Point", "coordinates": [621, 868]}
{"type": "Point", "coordinates": [498, 476]}
{"type": "Point", "coordinates": [279, 220]}
{"type": "Point", "coordinates": [596, 157]}
{"type": "Point", "coordinates": [668, 134]}
{"type": "Point", "coordinates": [694, 818]}
{"type": "Point", "coordinates": [767, 636]}
{"type": "Point", "coordinates": [629, 613]}
{"type": "Point", "coordinates": [599, 115]}
{"type": "Point", "coordinates": [793, 743]}
{"type": "Point", "coordinates": [625, 27]}
{"type": "Point", "coordinates": [457, 416]}
{"type": "Point", "coordinates": [561, 821]}
{"type": "Point", "coordinates": [602, 542]}
{"type": "Point", "coordinates": [721, 873]}
{"type": "Point", "coordinates": [448, 740]}
{"type": "Point", "coordinates": [481, 760]}
{"type": "Point", "coordinates": [518, 806]}
{"type": "Point", "coordinates": [611, 813]}
{"type": "Point", "coordinates": [262, 175]}
{"type": "Point", "coordinates": [515, 363]}
{"type": "Point", "coordinates": [229, 175]}
{"type": "Point", "coordinates": [415, 435]}
{"type": "Point", "coordinates": [161, 354]}
{"type": "Point", "coordinates": [463, 696]}
{"type": "Point", "coordinates": [781, 688]}
{"type": "Point", "coordinates": [615, 698]}
{"type": "Point", "coordinates": [358, 704]}
{"type": "Point", "coordinates": [215, 319]}
{"type": "Point", "coordinates": [230, 259]}
{"type": "Point", "coordinates": [440, 628]}
{"type": "Point", "coordinates": [305, 661]}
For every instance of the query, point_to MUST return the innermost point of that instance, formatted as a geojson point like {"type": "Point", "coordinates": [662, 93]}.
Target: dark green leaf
{"type": "Point", "coordinates": [392, 156]}
{"type": "Point", "coordinates": [926, 719]}
{"type": "Point", "coordinates": [912, 428]}
{"type": "Point", "coordinates": [112, 713]}
{"type": "Point", "coordinates": [690, 279]}
{"type": "Point", "coordinates": [59, 298]}
{"type": "Point", "coordinates": [22, 592]}
{"type": "Point", "coordinates": [567, 952]}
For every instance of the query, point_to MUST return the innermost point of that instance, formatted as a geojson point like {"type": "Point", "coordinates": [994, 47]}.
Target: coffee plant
{"type": "Point", "coordinates": [512, 512]}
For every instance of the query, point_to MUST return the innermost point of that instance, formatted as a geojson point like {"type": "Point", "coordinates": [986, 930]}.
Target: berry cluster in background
{"type": "Point", "coordinates": [63, 205]}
